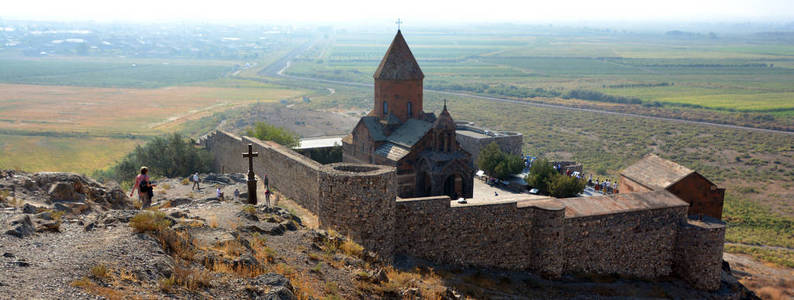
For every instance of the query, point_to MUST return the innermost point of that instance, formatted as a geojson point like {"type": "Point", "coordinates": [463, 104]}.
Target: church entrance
{"type": "Point", "coordinates": [423, 185]}
{"type": "Point", "coordinates": [453, 186]}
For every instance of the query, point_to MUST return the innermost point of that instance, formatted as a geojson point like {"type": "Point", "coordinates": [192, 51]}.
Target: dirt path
{"type": "Point", "coordinates": [764, 279]}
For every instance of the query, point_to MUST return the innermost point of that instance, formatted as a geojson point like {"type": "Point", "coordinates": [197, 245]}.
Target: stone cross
{"type": "Point", "coordinates": [251, 179]}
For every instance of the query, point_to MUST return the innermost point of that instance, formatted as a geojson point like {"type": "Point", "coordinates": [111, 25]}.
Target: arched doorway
{"type": "Point", "coordinates": [453, 186]}
{"type": "Point", "coordinates": [423, 184]}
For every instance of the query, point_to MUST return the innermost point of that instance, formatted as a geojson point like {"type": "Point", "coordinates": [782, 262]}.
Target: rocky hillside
{"type": "Point", "coordinates": [67, 236]}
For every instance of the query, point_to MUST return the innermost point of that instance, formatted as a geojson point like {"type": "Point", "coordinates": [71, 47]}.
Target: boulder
{"type": "Point", "coordinates": [63, 191]}
{"type": "Point", "coordinates": [20, 226]}
{"type": "Point", "coordinates": [245, 215]}
{"type": "Point", "coordinates": [270, 286]}
{"type": "Point", "coordinates": [30, 209]}
{"type": "Point", "coordinates": [48, 226]}
{"type": "Point", "coordinates": [245, 261]}
{"type": "Point", "coordinates": [289, 225]}
{"type": "Point", "coordinates": [266, 228]}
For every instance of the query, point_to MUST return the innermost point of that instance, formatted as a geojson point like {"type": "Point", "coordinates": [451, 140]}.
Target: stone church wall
{"type": "Point", "coordinates": [361, 201]}
{"type": "Point", "coordinates": [358, 201]}
{"type": "Point", "coordinates": [509, 142]}
{"type": "Point", "coordinates": [227, 150]}
{"type": "Point", "coordinates": [637, 243]}
{"type": "Point", "coordinates": [496, 235]}
{"type": "Point", "coordinates": [698, 253]}
{"type": "Point", "coordinates": [289, 172]}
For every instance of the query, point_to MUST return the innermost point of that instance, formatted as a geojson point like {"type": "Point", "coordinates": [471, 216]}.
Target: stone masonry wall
{"type": "Point", "coordinates": [227, 150]}
{"type": "Point", "coordinates": [291, 173]}
{"type": "Point", "coordinates": [493, 235]}
{"type": "Point", "coordinates": [698, 254]}
{"type": "Point", "coordinates": [359, 200]}
{"type": "Point", "coordinates": [639, 243]}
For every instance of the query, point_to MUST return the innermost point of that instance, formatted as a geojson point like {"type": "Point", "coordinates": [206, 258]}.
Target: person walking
{"type": "Point", "coordinates": [219, 193]}
{"type": "Point", "coordinates": [236, 194]}
{"type": "Point", "coordinates": [267, 196]}
{"type": "Point", "coordinates": [144, 186]}
{"type": "Point", "coordinates": [196, 182]}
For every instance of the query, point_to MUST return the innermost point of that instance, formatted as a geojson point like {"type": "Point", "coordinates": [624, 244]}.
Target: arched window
{"type": "Point", "coordinates": [410, 109]}
{"type": "Point", "coordinates": [385, 108]}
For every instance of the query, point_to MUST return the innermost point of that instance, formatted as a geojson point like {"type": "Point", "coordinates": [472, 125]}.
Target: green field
{"type": "Point", "coordinates": [734, 73]}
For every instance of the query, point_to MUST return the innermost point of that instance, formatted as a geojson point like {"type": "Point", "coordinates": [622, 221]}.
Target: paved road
{"type": "Point", "coordinates": [277, 69]}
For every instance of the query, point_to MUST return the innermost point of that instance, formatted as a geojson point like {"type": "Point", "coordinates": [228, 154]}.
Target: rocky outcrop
{"type": "Point", "coordinates": [69, 192]}
{"type": "Point", "coordinates": [20, 226]}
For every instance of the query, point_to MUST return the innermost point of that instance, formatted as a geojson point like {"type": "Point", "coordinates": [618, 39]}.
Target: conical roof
{"type": "Point", "coordinates": [399, 62]}
{"type": "Point", "coordinates": [444, 120]}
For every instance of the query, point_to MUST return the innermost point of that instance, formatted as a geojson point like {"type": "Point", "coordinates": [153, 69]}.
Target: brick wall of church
{"type": "Point", "coordinates": [397, 93]}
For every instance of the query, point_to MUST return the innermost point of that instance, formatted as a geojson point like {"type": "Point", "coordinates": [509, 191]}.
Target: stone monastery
{"type": "Point", "coordinates": [398, 133]}
{"type": "Point", "coordinates": [401, 165]}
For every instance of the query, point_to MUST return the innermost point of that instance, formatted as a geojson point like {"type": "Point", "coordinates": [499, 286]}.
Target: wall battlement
{"type": "Point", "coordinates": [645, 235]}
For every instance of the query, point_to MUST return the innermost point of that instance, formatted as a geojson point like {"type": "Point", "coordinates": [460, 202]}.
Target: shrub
{"type": "Point", "coordinates": [166, 284]}
{"type": "Point", "coordinates": [497, 163]}
{"type": "Point", "coordinates": [192, 279]}
{"type": "Point", "coordinates": [351, 248]}
{"type": "Point", "coordinates": [540, 174]}
{"type": "Point", "coordinates": [149, 221]}
{"type": "Point", "coordinates": [169, 156]}
{"type": "Point", "coordinates": [99, 272]}
{"type": "Point", "coordinates": [267, 132]}
{"type": "Point", "coordinates": [249, 209]}
{"type": "Point", "coordinates": [562, 186]}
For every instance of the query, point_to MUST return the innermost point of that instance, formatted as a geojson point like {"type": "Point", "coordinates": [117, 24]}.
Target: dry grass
{"type": "Point", "coordinates": [428, 282]}
{"type": "Point", "coordinates": [100, 272]}
{"type": "Point", "coordinates": [212, 221]}
{"type": "Point", "coordinates": [249, 209]}
{"type": "Point", "coordinates": [772, 293]}
{"type": "Point", "coordinates": [242, 271]}
{"type": "Point", "coordinates": [179, 243]}
{"type": "Point", "coordinates": [95, 289]}
{"type": "Point", "coordinates": [191, 278]}
{"type": "Point", "coordinates": [262, 252]}
{"type": "Point", "coordinates": [166, 284]}
{"type": "Point", "coordinates": [351, 248]}
{"type": "Point", "coordinates": [147, 220]}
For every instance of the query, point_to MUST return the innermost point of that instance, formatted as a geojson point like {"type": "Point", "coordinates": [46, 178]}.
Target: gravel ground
{"type": "Point", "coordinates": [54, 260]}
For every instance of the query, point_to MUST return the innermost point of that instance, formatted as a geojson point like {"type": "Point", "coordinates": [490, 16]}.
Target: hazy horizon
{"type": "Point", "coordinates": [412, 12]}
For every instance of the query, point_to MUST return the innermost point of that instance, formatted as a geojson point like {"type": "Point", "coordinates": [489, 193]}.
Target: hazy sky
{"type": "Point", "coordinates": [417, 11]}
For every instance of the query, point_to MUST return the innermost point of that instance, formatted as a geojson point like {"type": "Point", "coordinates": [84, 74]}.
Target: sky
{"type": "Point", "coordinates": [416, 11]}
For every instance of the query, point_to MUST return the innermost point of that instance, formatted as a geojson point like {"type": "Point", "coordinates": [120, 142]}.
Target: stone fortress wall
{"type": "Point", "coordinates": [551, 237]}
{"type": "Point", "coordinates": [473, 139]}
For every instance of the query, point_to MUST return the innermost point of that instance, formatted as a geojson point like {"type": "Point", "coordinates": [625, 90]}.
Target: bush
{"type": "Point", "coordinates": [562, 186]}
{"type": "Point", "coordinates": [149, 221]}
{"type": "Point", "coordinates": [267, 132]}
{"type": "Point", "coordinates": [99, 271]}
{"type": "Point", "coordinates": [169, 156]}
{"type": "Point", "coordinates": [540, 175]}
{"type": "Point", "coordinates": [498, 164]}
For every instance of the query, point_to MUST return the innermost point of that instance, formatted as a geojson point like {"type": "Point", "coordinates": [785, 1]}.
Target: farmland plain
{"type": "Point", "coordinates": [704, 76]}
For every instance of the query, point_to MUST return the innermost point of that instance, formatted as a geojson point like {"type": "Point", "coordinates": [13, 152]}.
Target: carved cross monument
{"type": "Point", "coordinates": [251, 179]}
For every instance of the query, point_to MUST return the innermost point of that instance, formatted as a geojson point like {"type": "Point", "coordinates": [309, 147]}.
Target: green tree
{"type": "Point", "coordinates": [540, 175]}
{"type": "Point", "coordinates": [562, 186]}
{"type": "Point", "coordinates": [498, 164]}
{"type": "Point", "coordinates": [169, 156]}
{"type": "Point", "coordinates": [267, 132]}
